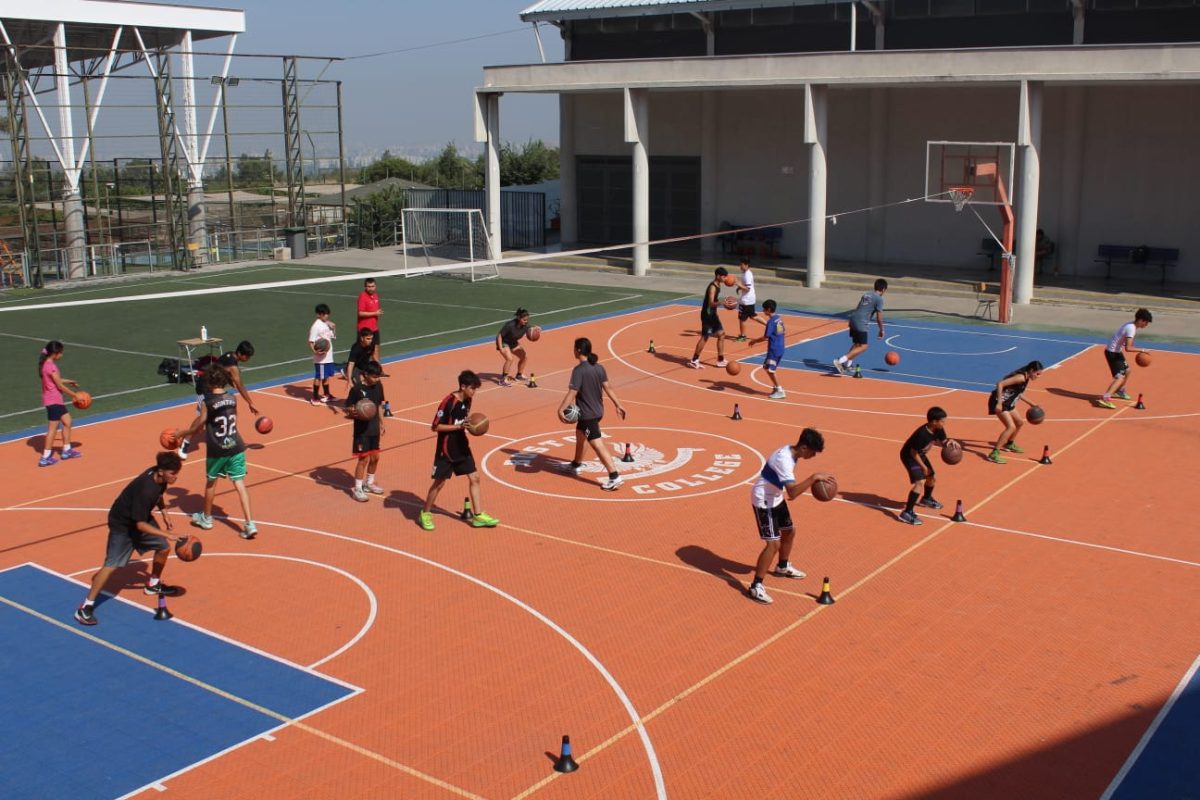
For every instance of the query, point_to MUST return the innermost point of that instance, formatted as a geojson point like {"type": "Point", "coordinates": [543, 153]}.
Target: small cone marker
{"type": "Point", "coordinates": [650, 349]}
{"type": "Point", "coordinates": [857, 371]}
{"type": "Point", "coordinates": [387, 408]}
{"type": "Point", "coordinates": [1045, 459]}
{"type": "Point", "coordinates": [628, 457]}
{"type": "Point", "coordinates": [564, 762]}
{"type": "Point", "coordinates": [958, 513]}
{"type": "Point", "coordinates": [162, 612]}
{"type": "Point", "coordinates": [1139, 405]}
{"type": "Point", "coordinates": [467, 514]}
{"type": "Point", "coordinates": [532, 381]}
{"type": "Point", "coordinates": [737, 412]}
{"type": "Point", "coordinates": [826, 598]}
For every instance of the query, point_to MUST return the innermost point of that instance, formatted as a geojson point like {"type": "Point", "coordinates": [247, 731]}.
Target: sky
{"type": "Point", "coordinates": [412, 102]}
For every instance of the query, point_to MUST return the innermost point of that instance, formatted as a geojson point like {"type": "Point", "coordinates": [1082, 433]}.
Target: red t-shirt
{"type": "Point", "coordinates": [368, 302]}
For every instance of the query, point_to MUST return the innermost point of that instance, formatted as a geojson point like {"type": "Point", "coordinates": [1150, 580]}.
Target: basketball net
{"type": "Point", "coordinates": [960, 196]}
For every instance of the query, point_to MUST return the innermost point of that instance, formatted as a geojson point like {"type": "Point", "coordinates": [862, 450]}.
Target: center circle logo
{"type": "Point", "coordinates": [654, 463]}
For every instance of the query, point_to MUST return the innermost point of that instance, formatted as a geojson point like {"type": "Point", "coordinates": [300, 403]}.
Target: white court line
{"type": "Point", "coordinates": [758, 370]}
{"type": "Point", "coordinates": [1149, 734]}
{"type": "Point", "coordinates": [44, 339]}
{"type": "Point", "coordinates": [890, 342]}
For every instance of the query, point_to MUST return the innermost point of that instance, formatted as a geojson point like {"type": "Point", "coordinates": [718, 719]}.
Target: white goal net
{"type": "Point", "coordinates": [452, 242]}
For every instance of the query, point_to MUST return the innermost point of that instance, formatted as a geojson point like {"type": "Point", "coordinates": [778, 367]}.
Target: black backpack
{"type": "Point", "coordinates": [1139, 254]}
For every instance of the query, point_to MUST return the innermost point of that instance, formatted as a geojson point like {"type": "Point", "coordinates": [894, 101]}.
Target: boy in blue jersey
{"type": "Point", "coordinates": [869, 305]}
{"type": "Point", "coordinates": [774, 338]}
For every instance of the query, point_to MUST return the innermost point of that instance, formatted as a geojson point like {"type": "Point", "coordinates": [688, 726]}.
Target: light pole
{"type": "Point", "coordinates": [226, 84]}
{"type": "Point", "coordinates": [108, 210]}
{"type": "Point", "coordinates": [316, 170]}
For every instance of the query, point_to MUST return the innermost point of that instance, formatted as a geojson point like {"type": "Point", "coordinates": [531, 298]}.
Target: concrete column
{"type": "Point", "coordinates": [196, 214]}
{"type": "Point", "coordinates": [816, 131]}
{"type": "Point", "coordinates": [493, 175]}
{"type": "Point", "coordinates": [568, 207]}
{"type": "Point", "coordinates": [197, 223]}
{"type": "Point", "coordinates": [1029, 139]}
{"type": "Point", "coordinates": [76, 234]}
{"type": "Point", "coordinates": [637, 129]}
{"type": "Point", "coordinates": [1070, 215]}
{"type": "Point", "coordinates": [877, 175]}
{"type": "Point", "coordinates": [76, 231]}
{"type": "Point", "coordinates": [708, 171]}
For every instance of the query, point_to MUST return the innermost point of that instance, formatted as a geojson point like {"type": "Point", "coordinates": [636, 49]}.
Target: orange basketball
{"type": "Point", "coordinates": [168, 439]}
{"type": "Point", "coordinates": [1142, 359]}
{"type": "Point", "coordinates": [731, 303]}
{"type": "Point", "coordinates": [534, 333]}
{"type": "Point", "coordinates": [825, 490]}
{"type": "Point", "coordinates": [892, 358]}
{"type": "Point", "coordinates": [733, 367]}
{"type": "Point", "coordinates": [478, 424]}
{"type": "Point", "coordinates": [264, 425]}
{"type": "Point", "coordinates": [730, 280]}
{"type": "Point", "coordinates": [83, 399]}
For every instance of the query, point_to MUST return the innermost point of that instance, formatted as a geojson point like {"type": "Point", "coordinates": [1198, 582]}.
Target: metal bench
{"type": "Point", "coordinates": [1137, 256]}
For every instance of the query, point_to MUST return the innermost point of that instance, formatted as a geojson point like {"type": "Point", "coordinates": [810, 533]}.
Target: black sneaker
{"type": "Point", "coordinates": [929, 502]}
{"type": "Point", "coordinates": [162, 589]}
{"type": "Point", "coordinates": [84, 616]}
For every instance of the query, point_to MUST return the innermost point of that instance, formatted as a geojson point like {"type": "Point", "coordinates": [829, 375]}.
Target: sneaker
{"type": "Point", "coordinates": [182, 453]}
{"type": "Point", "coordinates": [788, 572]}
{"type": "Point", "coordinates": [929, 502]}
{"type": "Point", "coordinates": [758, 593]}
{"type": "Point", "coordinates": [778, 394]}
{"type": "Point", "coordinates": [996, 458]}
{"type": "Point", "coordinates": [161, 588]}
{"type": "Point", "coordinates": [249, 530]}
{"type": "Point", "coordinates": [425, 520]}
{"type": "Point", "coordinates": [47, 461]}
{"type": "Point", "coordinates": [695, 364]}
{"type": "Point", "coordinates": [482, 520]}
{"type": "Point", "coordinates": [520, 378]}
{"type": "Point", "coordinates": [1122, 395]}
{"type": "Point", "coordinates": [85, 616]}
{"type": "Point", "coordinates": [72, 453]}
{"type": "Point", "coordinates": [506, 383]}
{"type": "Point", "coordinates": [572, 467]}
{"type": "Point", "coordinates": [611, 484]}
{"type": "Point", "coordinates": [910, 518]}
{"type": "Point", "coordinates": [202, 520]}
{"type": "Point", "coordinates": [1104, 403]}
{"type": "Point", "coordinates": [1013, 447]}
{"type": "Point", "coordinates": [327, 399]}
{"type": "Point", "coordinates": [722, 362]}
{"type": "Point", "coordinates": [359, 494]}
{"type": "Point", "coordinates": [316, 401]}
{"type": "Point", "coordinates": [374, 488]}
{"type": "Point", "coordinates": [739, 338]}
{"type": "Point", "coordinates": [840, 367]}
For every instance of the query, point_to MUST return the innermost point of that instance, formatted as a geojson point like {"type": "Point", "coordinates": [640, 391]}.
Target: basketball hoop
{"type": "Point", "coordinates": [960, 196]}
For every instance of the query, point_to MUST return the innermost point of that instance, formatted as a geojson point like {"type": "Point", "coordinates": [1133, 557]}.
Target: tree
{"type": "Point", "coordinates": [388, 166]}
{"type": "Point", "coordinates": [535, 162]}
{"type": "Point", "coordinates": [255, 171]}
{"type": "Point", "coordinates": [452, 170]}
{"type": "Point", "coordinates": [375, 215]}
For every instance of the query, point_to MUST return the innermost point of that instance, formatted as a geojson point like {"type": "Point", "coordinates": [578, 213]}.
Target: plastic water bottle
{"type": "Point", "coordinates": [203, 333]}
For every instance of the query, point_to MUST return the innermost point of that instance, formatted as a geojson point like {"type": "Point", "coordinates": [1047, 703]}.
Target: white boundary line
{"type": "Point", "coordinates": [889, 341]}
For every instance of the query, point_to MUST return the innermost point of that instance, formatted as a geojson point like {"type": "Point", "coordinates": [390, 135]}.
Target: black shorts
{"type": "Point", "coordinates": [444, 467]}
{"type": "Point", "coordinates": [771, 522]}
{"type": "Point", "coordinates": [56, 411]}
{"type": "Point", "coordinates": [915, 469]}
{"type": "Point", "coordinates": [710, 326]}
{"type": "Point", "coordinates": [122, 543]}
{"type": "Point", "coordinates": [365, 445]}
{"type": "Point", "coordinates": [859, 337]}
{"type": "Point", "coordinates": [745, 312]}
{"type": "Point", "coordinates": [994, 404]}
{"type": "Point", "coordinates": [1117, 364]}
{"type": "Point", "coordinates": [590, 428]}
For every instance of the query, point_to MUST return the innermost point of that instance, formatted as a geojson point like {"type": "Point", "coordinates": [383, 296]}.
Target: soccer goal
{"type": "Point", "coordinates": [446, 241]}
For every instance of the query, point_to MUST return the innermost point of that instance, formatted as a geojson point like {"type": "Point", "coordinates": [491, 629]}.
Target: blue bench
{"type": "Point", "coordinates": [1137, 256]}
{"type": "Point", "coordinates": [763, 241]}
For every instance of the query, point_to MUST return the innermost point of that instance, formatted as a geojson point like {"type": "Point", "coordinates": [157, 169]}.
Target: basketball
{"type": "Point", "coordinates": [733, 367]}
{"type": "Point", "coordinates": [168, 439]}
{"type": "Point", "coordinates": [478, 424]}
{"type": "Point", "coordinates": [892, 358]}
{"type": "Point", "coordinates": [83, 399]}
{"type": "Point", "coordinates": [952, 452]}
{"type": "Point", "coordinates": [825, 490]}
{"type": "Point", "coordinates": [571, 413]}
{"type": "Point", "coordinates": [1143, 360]}
{"type": "Point", "coordinates": [365, 409]}
{"type": "Point", "coordinates": [731, 303]}
{"type": "Point", "coordinates": [264, 425]}
{"type": "Point", "coordinates": [188, 549]}
{"type": "Point", "coordinates": [730, 280]}
{"type": "Point", "coordinates": [1035, 415]}
{"type": "Point", "coordinates": [322, 345]}
{"type": "Point", "coordinates": [534, 334]}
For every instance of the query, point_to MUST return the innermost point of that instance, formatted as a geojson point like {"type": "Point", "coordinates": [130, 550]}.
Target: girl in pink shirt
{"type": "Point", "coordinates": [53, 388]}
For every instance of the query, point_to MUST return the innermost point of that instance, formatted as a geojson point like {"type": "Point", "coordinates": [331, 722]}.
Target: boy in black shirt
{"type": "Point", "coordinates": [453, 456]}
{"type": "Point", "coordinates": [362, 352]}
{"type": "Point", "coordinates": [916, 463]}
{"type": "Point", "coordinates": [367, 431]}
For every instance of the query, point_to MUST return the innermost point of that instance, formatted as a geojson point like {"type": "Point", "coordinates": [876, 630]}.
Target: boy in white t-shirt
{"type": "Point", "coordinates": [1114, 354]}
{"type": "Point", "coordinates": [321, 336]}
{"type": "Point", "coordinates": [746, 299]}
{"type": "Point", "coordinates": [771, 515]}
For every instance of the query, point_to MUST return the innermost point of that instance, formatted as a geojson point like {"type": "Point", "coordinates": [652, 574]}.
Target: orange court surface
{"type": "Point", "coordinates": [1025, 653]}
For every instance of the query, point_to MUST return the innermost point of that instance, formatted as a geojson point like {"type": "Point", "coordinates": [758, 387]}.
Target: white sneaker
{"type": "Point", "coordinates": [611, 484]}
{"type": "Point", "coordinates": [374, 489]}
{"type": "Point", "coordinates": [722, 362]}
{"type": "Point", "coordinates": [574, 469]}
{"type": "Point", "coordinates": [788, 572]}
{"type": "Point", "coordinates": [359, 494]}
{"type": "Point", "coordinates": [695, 364]}
{"type": "Point", "coordinates": [841, 369]}
{"type": "Point", "coordinates": [758, 593]}
{"type": "Point", "coordinates": [182, 453]}
{"type": "Point", "coordinates": [202, 520]}
{"type": "Point", "coordinates": [778, 394]}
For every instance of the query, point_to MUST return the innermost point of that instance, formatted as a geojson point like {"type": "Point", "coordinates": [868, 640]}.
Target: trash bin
{"type": "Point", "coordinates": [297, 240]}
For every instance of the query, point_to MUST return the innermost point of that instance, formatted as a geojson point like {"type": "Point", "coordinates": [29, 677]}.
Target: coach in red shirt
{"type": "Point", "coordinates": [369, 312]}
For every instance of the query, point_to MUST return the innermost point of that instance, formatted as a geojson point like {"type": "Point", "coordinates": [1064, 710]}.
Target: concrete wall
{"type": "Point", "coordinates": [1118, 165]}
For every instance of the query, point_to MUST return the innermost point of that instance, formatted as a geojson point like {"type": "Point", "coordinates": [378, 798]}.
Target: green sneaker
{"type": "Point", "coordinates": [1103, 403]}
{"type": "Point", "coordinates": [426, 520]}
{"type": "Point", "coordinates": [1122, 395]}
{"type": "Point", "coordinates": [482, 520]}
{"type": "Point", "coordinates": [1013, 447]}
{"type": "Point", "coordinates": [996, 458]}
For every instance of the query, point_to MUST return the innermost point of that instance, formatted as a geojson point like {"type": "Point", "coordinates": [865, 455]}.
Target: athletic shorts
{"type": "Point", "coordinates": [122, 543]}
{"type": "Point", "coordinates": [444, 467]}
{"type": "Point", "coordinates": [859, 337]}
{"type": "Point", "coordinates": [1117, 364]}
{"type": "Point", "coordinates": [772, 362]}
{"type": "Point", "coordinates": [323, 372]}
{"type": "Point", "coordinates": [994, 404]}
{"type": "Point", "coordinates": [710, 327]}
{"type": "Point", "coordinates": [232, 467]}
{"type": "Point", "coordinates": [56, 411]}
{"type": "Point", "coordinates": [364, 446]}
{"type": "Point", "coordinates": [590, 428]}
{"type": "Point", "coordinates": [745, 312]}
{"type": "Point", "coordinates": [915, 469]}
{"type": "Point", "coordinates": [771, 522]}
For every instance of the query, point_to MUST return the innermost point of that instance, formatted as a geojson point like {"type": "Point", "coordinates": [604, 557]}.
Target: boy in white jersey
{"type": "Point", "coordinates": [776, 485]}
{"type": "Point", "coordinates": [746, 299]}
{"type": "Point", "coordinates": [1120, 344]}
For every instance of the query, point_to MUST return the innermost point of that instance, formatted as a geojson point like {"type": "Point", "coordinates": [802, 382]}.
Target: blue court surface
{"type": "Point", "coordinates": [107, 710]}
{"type": "Point", "coordinates": [1165, 763]}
